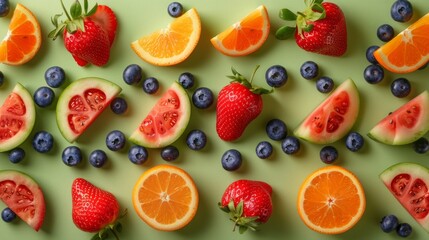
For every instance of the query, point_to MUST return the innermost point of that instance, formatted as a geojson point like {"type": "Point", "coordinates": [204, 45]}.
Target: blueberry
{"type": "Point", "coordinates": [1, 76]}
{"type": "Point", "coordinates": [16, 155]}
{"type": "Point", "coordinates": [370, 54]}
{"type": "Point", "coordinates": [309, 70]}
{"type": "Point", "coordinates": [187, 80]}
{"type": "Point", "coordinates": [276, 129]}
{"type": "Point", "coordinates": [291, 145]}
{"type": "Point", "coordinates": [8, 215]}
{"type": "Point", "coordinates": [55, 76]}
{"type": "Point", "coordinates": [119, 105]}
{"type": "Point", "coordinates": [98, 158]}
{"type": "Point", "coordinates": [231, 160]}
{"type": "Point", "coordinates": [421, 145]}
{"type": "Point", "coordinates": [150, 85]}
{"type": "Point", "coordinates": [328, 154]}
{"type": "Point", "coordinates": [264, 150]}
{"type": "Point", "coordinates": [400, 87]}
{"type": "Point", "coordinates": [115, 140]}
{"type": "Point", "coordinates": [71, 156]}
{"type": "Point", "coordinates": [389, 223]}
{"type": "Point", "coordinates": [132, 74]}
{"type": "Point", "coordinates": [44, 96]}
{"type": "Point", "coordinates": [354, 141]}
{"type": "Point", "coordinates": [401, 11]}
{"type": "Point", "coordinates": [137, 154]}
{"type": "Point", "coordinates": [175, 9]}
{"type": "Point", "coordinates": [325, 84]}
{"type": "Point", "coordinates": [276, 76]}
{"type": "Point", "coordinates": [4, 8]}
{"type": "Point", "coordinates": [196, 139]}
{"type": "Point", "coordinates": [202, 98]}
{"type": "Point", "coordinates": [385, 32]}
{"type": "Point", "coordinates": [43, 142]}
{"type": "Point", "coordinates": [169, 153]}
{"type": "Point", "coordinates": [404, 230]}
{"type": "Point", "coordinates": [373, 74]}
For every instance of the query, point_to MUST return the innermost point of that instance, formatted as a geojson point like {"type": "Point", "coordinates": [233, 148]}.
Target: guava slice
{"type": "Point", "coordinates": [81, 103]}
{"type": "Point", "coordinates": [166, 121]}
{"type": "Point", "coordinates": [17, 118]}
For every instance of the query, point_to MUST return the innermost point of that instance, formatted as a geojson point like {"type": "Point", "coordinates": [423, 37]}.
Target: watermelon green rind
{"type": "Point", "coordinates": [417, 171]}
{"type": "Point", "coordinates": [185, 114]}
{"type": "Point", "coordinates": [109, 88]}
{"type": "Point", "coordinates": [305, 132]}
{"type": "Point", "coordinates": [39, 201]}
{"type": "Point", "coordinates": [401, 136]}
{"type": "Point", "coordinates": [30, 119]}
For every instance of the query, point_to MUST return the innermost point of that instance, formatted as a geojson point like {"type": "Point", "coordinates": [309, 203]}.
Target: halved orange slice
{"type": "Point", "coordinates": [23, 38]}
{"type": "Point", "coordinates": [407, 51]}
{"type": "Point", "coordinates": [245, 36]}
{"type": "Point", "coordinates": [173, 44]}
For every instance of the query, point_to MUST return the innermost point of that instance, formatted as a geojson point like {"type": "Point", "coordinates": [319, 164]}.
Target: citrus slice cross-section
{"type": "Point", "coordinates": [23, 39]}
{"type": "Point", "coordinates": [245, 36]}
{"type": "Point", "coordinates": [165, 197]}
{"type": "Point", "coordinates": [331, 200]}
{"type": "Point", "coordinates": [173, 44]}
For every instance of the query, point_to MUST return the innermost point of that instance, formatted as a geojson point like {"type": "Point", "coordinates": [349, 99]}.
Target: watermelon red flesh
{"type": "Point", "coordinates": [406, 124]}
{"type": "Point", "coordinates": [24, 196]}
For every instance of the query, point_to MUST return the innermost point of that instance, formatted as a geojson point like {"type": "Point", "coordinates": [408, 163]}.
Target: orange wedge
{"type": "Point", "coordinates": [165, 197]}
{"type": "Point", "coordinates": [246, 36]}
{"type": "Point", "coordinates": [331, 200]}
{"type": "Point", "coordinates": [407, 51]}
{"type": "Point", "coordinates": [173, 44]}
{"type": "Point", "coordinates": [23, 38]}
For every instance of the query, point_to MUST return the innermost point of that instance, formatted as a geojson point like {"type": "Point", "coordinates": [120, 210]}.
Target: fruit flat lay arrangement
{"type": "Point", "coordinates": [303, 119]}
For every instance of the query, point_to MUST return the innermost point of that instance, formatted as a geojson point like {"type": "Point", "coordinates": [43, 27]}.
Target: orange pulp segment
{"type": "Point", "coordinates": [246, 36]}
{"type": "Point", "coordinates": [23, 38]}
{"type": "Point", "coordinates": [173, 44]}
{"type": "Point", "coordinates": [407, 51]}
{"type": "Point", "coordinates": [331, 200]}
{"type": "Point", "coordinates": [165, 197]}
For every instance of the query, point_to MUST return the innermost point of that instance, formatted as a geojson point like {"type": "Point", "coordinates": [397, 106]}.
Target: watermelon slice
{"type": "Point", "coordinates": [166, 121]}
{"type": "Point", "coordinates": [24, 196]}
{"type": "Point", "coordinates": [406, 124]}
{"type": "Point", "coordinates": [81, 103]}
{"type": "Point", "coordinates": [334, 117]}
{"type": "Point", "coordinates": [17, 118]}
{"type": "Point", "coordinates": [409, 184]}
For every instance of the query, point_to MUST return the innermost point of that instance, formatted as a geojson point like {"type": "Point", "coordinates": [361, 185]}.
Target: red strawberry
{"type": "Point", "coordinates": [321, 28]}
{"type": "Point", "coordinates": [106, 18]}
{"type": "Point", "coordinates": [85, 39]}
{"type": "Point", "coordinates": [238, 104]}
{"type": "Point", "coordinates": [94, 209]}
{"type": "Point", "coordinates": [248, 203]}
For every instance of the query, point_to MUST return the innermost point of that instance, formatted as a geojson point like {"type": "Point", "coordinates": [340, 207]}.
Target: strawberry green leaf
{"type": "Point", "coordinates": [287, 15]}
{"type": "Point", "coordinates": [76, 10]}
{"type": "Point", "coordinates": [92, 11]}
{"type": "Point", "coordinates": [85, 6]}
{"type": "Point", "coordinates": [71, 28]}
{"type": "Point", "coordinates": [285, 32]}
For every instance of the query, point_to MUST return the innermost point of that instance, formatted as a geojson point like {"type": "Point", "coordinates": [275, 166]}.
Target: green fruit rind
{"type": "Point", "coordinates": [77, 87]}
{"type": "Point", "coordinates": [305, 131]}
{"type": "Point", "coordinates": [404, 135]}
{"type": "Point", "coordinates": [11, 180]}
{"type": "Point", "coordinates": [184, 111]}
{"type": "Point", "coordinates": [30, 119]}
{"type": "Point", "coordinates": [416, 171]}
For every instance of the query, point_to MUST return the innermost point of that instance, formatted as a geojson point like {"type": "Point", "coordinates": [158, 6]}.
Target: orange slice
{"type": "Point", "coordinates": [331, 200]}
{"type": "Point", "coordinates": [165, 197]}
{"type": "Point", "coordinates": [173, 44]}
{"type": "Point", "coordinates": [407, 51]}
{"type": "Point", "coordinates": [246, 36]}
{"type": "Point", "coordinates": [23, 38]}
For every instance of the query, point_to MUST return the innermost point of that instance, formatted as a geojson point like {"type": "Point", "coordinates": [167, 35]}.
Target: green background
{"type": "Point", "coordinates": [290, 103]}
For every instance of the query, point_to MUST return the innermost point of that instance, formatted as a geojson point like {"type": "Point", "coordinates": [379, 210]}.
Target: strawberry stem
{"type": "Point", "coordinates": [253, 74]}
{"type": "Point", "coordinates": [65, 10]}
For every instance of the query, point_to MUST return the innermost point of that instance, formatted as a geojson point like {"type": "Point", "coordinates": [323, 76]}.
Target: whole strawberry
{"type": "Point", "coordinates": [94, 209]}
{"type": "Point", "coordinates": [248, 203]}
{"type": "Point", "coordinates": [238, 104]}
{"type": "Point", "coordinates": [84, 37]}
{"type": "Point", "coordinates": [320, 28]}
